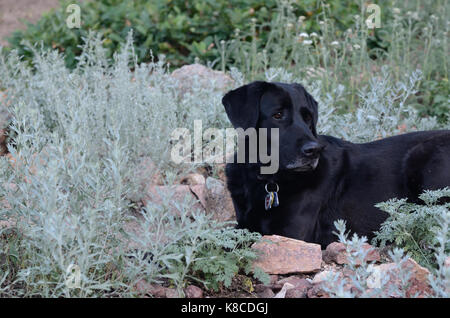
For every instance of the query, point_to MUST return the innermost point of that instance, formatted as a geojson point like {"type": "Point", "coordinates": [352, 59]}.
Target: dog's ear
{"type": "Point", "coordinates": [311, 103]}
{"type": "Point", "coordinates": [242, 104]}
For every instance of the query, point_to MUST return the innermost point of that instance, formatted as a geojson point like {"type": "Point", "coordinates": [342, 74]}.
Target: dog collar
{"type": "Point", "coordinates": [271, 199]}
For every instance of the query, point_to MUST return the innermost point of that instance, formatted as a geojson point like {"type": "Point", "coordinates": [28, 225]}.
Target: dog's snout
{"type": "Point", "coordinates": [311, 149]}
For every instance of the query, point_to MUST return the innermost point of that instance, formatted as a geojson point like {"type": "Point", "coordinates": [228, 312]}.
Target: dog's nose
{"type": "Point", "coordinates": [311, 149]}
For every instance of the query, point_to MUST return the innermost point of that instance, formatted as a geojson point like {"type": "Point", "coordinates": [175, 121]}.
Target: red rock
{"type": "Point", "coordinates": [316, 291]}
{"type": "Point", "coordinates": [272, 284]}
{"type": "Point", "coordinates": [322, 276]}
{"type": "Point", "coordinates": [300, 289]}
{"type": "Point", "coordinates": [336, 252]}
{"type": "Point", "coordinates": [267, 292]}
{"type": "Point", "coordinates": [171, 195]}
{"type": "Point", "coordinates": [145, 288]}
{"type": "Point", "coordinates": [193, 292]}
{"type": "Point", "coordinates": [172, 293]}
{"type": "Point", "coordinates": [200, 193]}
{"type": "Point", "coordinates": [284, 290]}
{"type": "Point", "coordinates": [293, 280]}
{"type": "Point", "coordinates": [193, 179]}
{"type": "Point", "coordinates": [418, 283]}
{"type": "Point", "coordinates": [193, 75]}
{"type": "Point", "coordinates": [218, 200]}
{"type": "Point", "coordinates": [148, 169]}
{"type": "Point", "coordinates": [282, 255]}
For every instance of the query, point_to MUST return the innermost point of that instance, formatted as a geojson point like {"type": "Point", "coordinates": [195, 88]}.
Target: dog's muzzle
{"type": "Point", "coordinates": [303, 165]}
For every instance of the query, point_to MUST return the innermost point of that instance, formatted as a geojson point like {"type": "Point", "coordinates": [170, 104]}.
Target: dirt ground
{"type": "Point", "coordinates": [12, 11]}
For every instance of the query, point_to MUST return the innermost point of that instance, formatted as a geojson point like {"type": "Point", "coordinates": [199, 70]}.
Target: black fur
{"type": "Point", "coordinates": [348, 180]}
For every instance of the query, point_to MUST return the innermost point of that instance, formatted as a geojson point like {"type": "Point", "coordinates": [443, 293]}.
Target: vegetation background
{"type": "Point", "coordinates": [71, 192]}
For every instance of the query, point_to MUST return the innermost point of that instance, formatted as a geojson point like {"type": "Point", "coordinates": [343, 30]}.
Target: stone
{"type": "Point", "coordinates": [272, 284]}
{"type": "Point", "coordinates": [418, 283]}
{"type": "Point", "coordinates": [195, 75]}
{"type": "Point", "coordinates": [154, 290]}
{"type": "Point", "coordinates": [218, 200]}
{"type": "Point", "coordinates": [172, 293]}
{"type": "Point", "coordinates": [336, 252]}
{"type": "Point", "coordinates": [317, 291]}
{"type": "Point", "coordinates": [300, 289]}
{"type": "Point", "coordinates": [200, 193]}
{"type": "Point", "coordinates": [322, 276]}
{"type": "Point", "coordinates": [193, 292]}
{"type": "Point", "coordinates": [282, 255]}
{"type": "Point", "coordinates": [146, 174]}
{"type": "Point", "coordinates": [149, 172]}
{"type": "Point", "coordinates": [267, 292]}
{"type": "Point", "coordinates": [193, 179]}
{"type": "Point", "coordinates": [283, 291]}
{"type": "Point", "coordinates": [172, 196]}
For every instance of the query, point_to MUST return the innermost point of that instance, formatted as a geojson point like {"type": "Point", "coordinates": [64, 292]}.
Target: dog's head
{"type": "Point", "coordinates": [288, 107]}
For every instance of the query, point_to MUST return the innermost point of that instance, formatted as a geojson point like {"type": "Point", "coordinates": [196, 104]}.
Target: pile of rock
{"type": "Point", "coordinates": [307, 269]}
{"type": "Point", "coordinates": [205, 193]}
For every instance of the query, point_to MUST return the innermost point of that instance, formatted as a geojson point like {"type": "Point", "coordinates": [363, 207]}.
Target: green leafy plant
{"type": "Point", "coordinates": [413, 226]}
{"type": "Point", "coordinates": [361, 275]}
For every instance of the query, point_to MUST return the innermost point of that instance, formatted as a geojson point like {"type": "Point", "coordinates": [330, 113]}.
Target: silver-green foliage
{"type": "Point", "coordinates": [77, 138]}
{"type": "Point", "coordinates": [367, 281]}
{"type": "Point", "coordinates": [415, 227]}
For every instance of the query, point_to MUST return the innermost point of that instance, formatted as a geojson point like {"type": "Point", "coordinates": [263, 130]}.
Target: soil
{"type": "Point", "coordinates": [12, 12]}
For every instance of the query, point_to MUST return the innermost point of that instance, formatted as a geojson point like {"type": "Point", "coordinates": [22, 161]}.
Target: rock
{"type": "Point", "coordinates": [196, 183]}
{"type": "Point", "coordinates": [193, 292]}
{"type": "Point", "coordinates": [282, 255]}
{"type": "Point", "coordinates": [195, 75]}
{"type": "Point", "coordinates": [316, 291]}
{"type": "Point", "coordinates": [218, 200]}
{"type": "Point", "coordinates": [293, 280]}
{"type": "Point", "coordinates": [336, 252]}
{"type": "Point", "coordinates": [300, 289]}
{"type": "Point", "coordinates": [199, 191]}
{"type": "Point", "coordinates": [154, 290]}
{"type": "Point", "coordinates": [172, 293]}
{"type": "Point", "coordinates": [283, 291]}
{"type": "Point", "coordinates": [322, 276]}
{"type": "Point", "coordinates": [172, 196]}
{"type": "Point", "coordinates": [272, 284]}
{"type": "Point", "coordinates": [418, 283]}
{"type": "Point", "coordinates": [220, 171]}
{"type": "Point", "coordinates": [267, 292]}
{"type": "Point", "coordinates": [193, 179]}
{"type": "Point", "coordinates": [146, 174]}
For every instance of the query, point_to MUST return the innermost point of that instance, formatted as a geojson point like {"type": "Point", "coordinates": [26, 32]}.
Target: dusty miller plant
{"type": "Point", "coordinates": [70, 181]}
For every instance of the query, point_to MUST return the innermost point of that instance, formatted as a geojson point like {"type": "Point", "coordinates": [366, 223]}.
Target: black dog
{"type": "Point", "coordinates": [322, 178]}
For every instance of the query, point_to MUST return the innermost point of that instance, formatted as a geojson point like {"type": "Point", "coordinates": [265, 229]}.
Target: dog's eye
{"type": "Point", "coordinates": [307, 117]}
{"type": "Point", "coordinates": [278, 115]}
